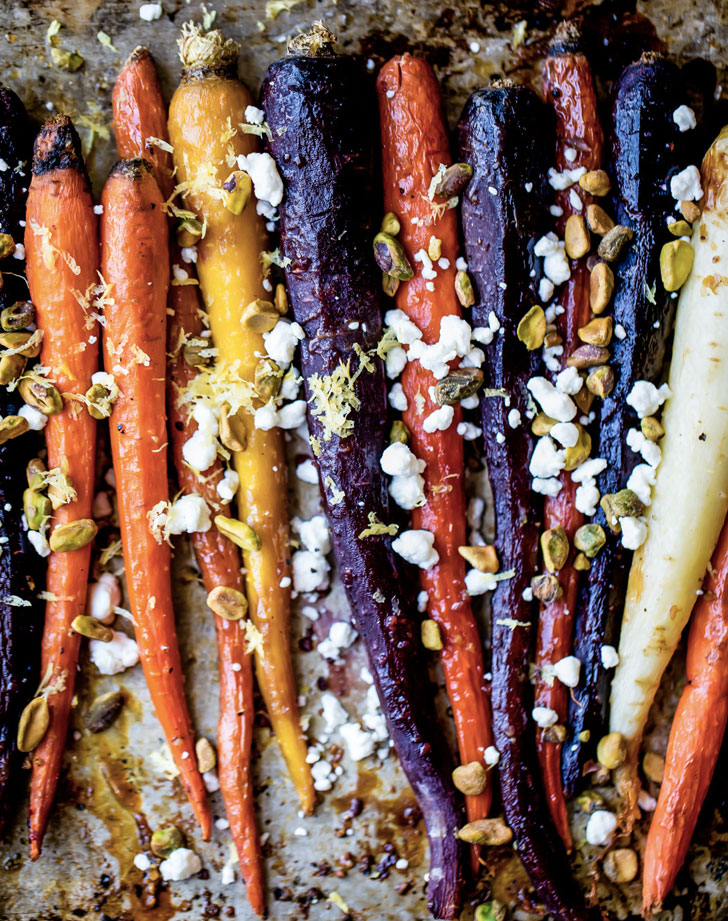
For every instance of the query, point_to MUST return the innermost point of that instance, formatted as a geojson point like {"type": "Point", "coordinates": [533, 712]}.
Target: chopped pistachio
{"type": "Point", "coordinates": [104, 711]}
{"type": "Point", "coordinates": [578, 453]}
{"type": "Point", "coordinates": [676, 260]}
{"type": "Point", "coordinates": [651, 428]}
{"type": "Point", "coordinates": [390, 224]}
{"type": "Point", "coordinates": [21, 342]}
{"type": "Point", "coordinates": [680, 229]}
{"type": "Point", "coordinates": [260, 316]}
{"type": "Point", "coordinates": [11, 427]}
{"type": "Point", "coordinates": [590, 538]}
{"type": "Point", "coordinates": [614, 241]}
{"type": "Point", "coordinates": [66, 60]}
{"type": "Point", "coordinates": [470, 779]}
{"type": "Point", "coordinates": [391, 257]}
{"type": "Point", "coordinates": [36, 508]}
{"type": "Point", "coordinates": [390, 284]}
{"type": "Point", "coordinates": [206, 755]}
{"type": "Point", "coordinates": [546, 588]}
{"type": "Point", "coordinates": [597, 331]}
{"type": "Point", "coordinates": [584, 399]}
{"type": "Point", "coordinates": [233, 434]}
{"type": "Point", "coordinates": [495, 910]}
{"type": "Point", "coordinates": [99, 401]}
{"type": "Point", "coordinates": [238, 188]}
{"type": "Point", "coordinates": [280, 299]}
{"type": "Point", "coordinates": [228, 603]}
{"type": "Point", "coordinates": [18, 316]}
{"type": "Point", "coordinates": [532, 328]}
{"type": "Point", "coordinates": [7, 245]}
{"type": "Point", "coordinates": [551, 339]}
{"type": "Point", "coordinates": [92, 628]}
{"type": "Point", "coordinates": [588, 356]}
{"type": "Point", "coordinates": [598, 220]}
{"type": "Point", "coordinates": [193, 352]}
{"type": "Point", "coordinates": [189, 232]}
{"type": "Point", "coordinates": [555, 548]}
{"type": "Point", "coordinates": [453, 180]}
{"type": "Point", "coordinates": [166, 839]}
{"type": "Point", "coordinates": [33, 724]}
{"type": "Point", "coordinates": [542, 424]}
{"type": "Point", "coordinates": [556, 734]}
{"type": "Point", "coordinates": [434, 248]}
{"type": "Point", "coordinates": [590, 801]}
{"type": "Point", "coordinates": [457, 385]}
{"type": "Point", "coordinates": [577, 241]}
{"type": "Point", "coordinates": [621, 865]}
{"type": "Point", "coordinates": [41, 394]}
{"type": "Point", "coordinates": [464, 289]}
{"type": "Point", "coordinates": [484, 558]}
{"type": "Point", "coordinates": [584, 736]}
{"type": "Point", "coordinates": [430, 635]}
{"type": "Point", "coordinates": [653, 765]}
{"type": "Point", "coordinates": [73, 535]}
{"type": "Point", "coordinates": [581, 563]}
{"type": "Point", "coordinates": [622, 504]}
{"type": "Point", "coordinates": [601, 287]}
{"type": "Point", "coordinates": [612, 750]}
{"type": "Point", "coordinates": [595, 182]}
{"type": "Point", "coordinates": [486, 831]}
{"type": "Point", "coordinates": [600, 381]}
{"type": "Point", "coordinates": [267, 379]}
{"type": "Point", "coordinates": [11, 367]}
{"type": "Point", "coordinates": [690, 211]}
{"type": "Point", "coordinates": [34, 473]}
{"type": "Point", "coordinates": [399, 432]}
{"type": "Point", "coordinates": [238, 532]}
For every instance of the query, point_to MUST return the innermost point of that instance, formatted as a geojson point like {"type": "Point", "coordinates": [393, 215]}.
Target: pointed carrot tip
{"type": "Point", "coordinates": [57, 146]}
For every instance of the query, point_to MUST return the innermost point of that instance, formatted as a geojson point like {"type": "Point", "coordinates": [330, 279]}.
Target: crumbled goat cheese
{"type": "Point", "coordinates": [228, 485]}
{"type": "Point", "coordinates": [569, 381]}
{"type": "Point", "coordinates": [566, 433]}
{"type": "Point", "coordinates": [150, 11]}
{"type": "Point", "coordinates": [641, 481]}
{"type": "Point", "coordinates": [553, 402]}
{"type": "Point", "coordinates": [468, 431]}
{"type": "Point", "coordinates": [575, 200]}
{"type": "Point", "coordinates": [291, 415]}
{"type": "Point", "coordinates": [586, 498]}
{"type": "Point", "coordinates": [181, 864]}
{"type": "Point", "coordinates": [39, 543]}
{"type": "Point", "coordinates": [266, 417]}
{"type": "Point", "coordinates": [620, 332]}
{"type": "Point", "coordinates": [491, 756]}
{"type": "Point", "coordinates": [545, 290]}
{"type": "Point", "coordinates": [142, 862]}
{"type": "Point", "coordinates": [334, 715]}
{"type": "Point", "coordinates": [634, 532]}
{"type": "Point", "coordinates": [359, 743]}
{"type": "Point", "coordinates": [461, 265]}
{"type": "Point", "coordinates": [404, 329]}
{"type": "Point", "coordinates": [685, 185]}
{"type": "Point", "coordinates": [472, 402]}
{"type": "Point", "coordinates": [551, 357]}
{"type": "Point", "coordinates": [568, 670]}
{"type": "Point", "coordinates": [35, 418]}
{"type": "Point", "coordinates": [545, 717]}
{"type": "Point", "coordinates": [187, 515]}
{"type": "Point", "coordinates": [570, 154]}
{"type": "Point", "coordinates": [478, 583]}
{"type": "Point", "coordinates": [314, 533]}
{"type": "Point", "coordinates": [600, 827]}
{"type": "Point", "coordinates": [476, 508]}
{"type": "Point", "coordinates": [555, 261]}
{"type": "Point", "coordinates": [417, 547]}
{"type": "Point", "coordinates": [483, 334]}
{"type": "Point", "coordinates": [527, 593]}
{"type": "Point", "coordinates": [408, 492]}
{"type": "Point", "coordinates": [427, 270]}
{"type": "Point", "coordinates": [322, 774]}
{"type": "Point", "coordinates": [254, 116]}
{"type": "Point", "coordinates": [188, 254]}
{"type": "Point", "coordinates": [650, 451]}
{"type": "Point", "coordinates": [439, 420]}
{"type": "Point", "coordinates": [454, 342]}
{"type": "Point", "coordinates": [116, 656]}
{"type": "Point", "coordinates": [562, 180]}
{"type": "Point", "coordinates": [200, 450]}
{"type": "Point", "coordinates": [684, 118]}
{"type": "Point", "coordinates": [228, 875]}
{"type": "Point", "coordinates": [546, 460]}
{"type": "Point", "coordinates": [306, 472]}
{"type": "Point", "coordinates": [395, 362]}
{"type": "Point", "coordinates": [549, 486]}
{"type": "Point", "coordinates": [398, 460]}
{"type": "Point", "coordinates": [281, 341]}
{"type": "Point", "coordinates": [646, 802]}
{"type": "Point", "coordinates": [610, 657]}
{"type": "Point", "coordinates": [310, 571]}
{"type": "Point", "coordinates": [514, 418]}
{"type": "Point", "coordinates": [102, 597]}
{"type": "Point", "coordinates": [589, 469]}
{"type": "Point", "coordinates": [267, 183]}
{"type": "Point", "coordinates": [397, 398]}
{"type": "Point", "coordinates": [422, 601]}
{"type": "Point", "coordinates": [646, 399]}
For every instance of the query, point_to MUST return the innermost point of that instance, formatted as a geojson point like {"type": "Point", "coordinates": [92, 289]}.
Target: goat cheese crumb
{"type": "Point", "coordinates": [150, 11]}
{"type": "Point", "coordinates": [546, 486]}
{"type": "Point", "coordinates": [306, 472]}
{"type": "Point", "coordinates": [610, 657]}
{"type": "Point", "coordinates": [646, 399]}
{"type": "Point", "coordinates": [228, 485]}
{"type": "Point", "coordinates": [646, 802]}
{"type": "Point", "coordinates": [35, 418]}
{"type": "Point", "coordinates": [359, 743]}
{"type": "Point", "coordinates": [566, 433]}
{"type": "Point", "coordinates": [228, 875]}
{"type": "Point", "coordinates": [641, 481]}
{"type": "Point", "coordinates": [314, 533]}
{"type": "Point", "coordinates": [491, 756]}
{"type": "Point", "coordinates": [586, 498]}
{"type": "Point", "coordinates": [555, 262]}
{"type": "Point", "coordinates": [468, 431]}
{"type": "Point", "coordinates": [545, 290]}
{"type": "Point", "coordinates": [267, 183]}
{"type": "Point", "coordinates": [544, 717]}
{"type": "Point", "coordinates": [568, 670]}
{"type": "Point", "coordinates": [310, 571]}
{"type": "Point", "coordinates": [281, 341]}
{"type": "Point", "coordinates": [181, 864]}
{"type": "Point", "coordinates": [408, 492]}
{"type": "Point", "coordinates": [188, 514]}
{"type": "Point", "coordinates": [417, 547]}
{"type": "Point", "coordinates": [439, 420]}
{"type": "Point", "coordinates": [685, 185]}
{"type": "Point", "coordinates": [266, 417]}
{"type": "Point", "coordinates": [553, 402]}
{"type": "Point", "coordinates": [39, 543]}
{"type": "Point", "coordinates": [254, 116]}
{"type": "Point", "coordinates": [102, 597]}
{"type": "Point", "coordinates": [650, 451]}
{"type": "Point", "coordinates": [404, 329]}
{"type": "Point", "coordinates": [568, 381]}
{"type": "Point", "coordinates": [546, 460]}
{"type": "Point", "coordinates": [397, 398]}
{"type": "Point", "coordinates": [398, 460]}
{"type": "Point", "coordinates": [634, 532]}
{"type": "Point", "coordinates": [562, 180]}
{"type": "Point", "coordinates": [478, 583]}
{"type": "Point", "coordinates": [684, 118]}
{"type": "Point", "coordinates": [116, 656]}
{"type": "Point", "coordinates": [589, 469]}
{"type": "Point", "coordinates": [600, 827]}
{"type": "Point", "coordinates": [291, 415]}
{"type": "Point", "coordinates": [422, 601]}
{"type": "Point", "coordinates": [334, 715]}
{"type": "Point", "coordinates": [142, 862]}
{"type": "Point", "coordinates": [395, 362]}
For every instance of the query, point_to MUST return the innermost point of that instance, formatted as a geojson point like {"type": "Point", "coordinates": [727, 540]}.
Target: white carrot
{"type": "Point", "coordinates": [690, 496]}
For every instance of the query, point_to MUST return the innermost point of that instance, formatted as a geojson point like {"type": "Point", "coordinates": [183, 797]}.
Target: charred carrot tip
{"type": "Point", "coordinates": [140, 53]}
{"type": "Point", "coordinates": [57, 146]}
{"type": "Point", "coordinates": [134, 168]}
{"type": "Point", "coordinates": [567, 38]}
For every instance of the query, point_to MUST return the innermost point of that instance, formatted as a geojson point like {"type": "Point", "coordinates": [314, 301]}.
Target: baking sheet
{"type": "Point", "coordinates": [114, 787]}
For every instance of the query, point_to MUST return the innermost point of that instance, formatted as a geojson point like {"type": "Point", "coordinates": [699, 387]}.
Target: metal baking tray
{"type": "Point", "coordinates": [114, 786]}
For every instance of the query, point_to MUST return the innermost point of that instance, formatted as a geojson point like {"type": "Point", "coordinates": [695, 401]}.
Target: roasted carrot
{"type": "Point", "coordinates": [569, 87]}
{"type": "Point", "coordinates": [695, 737]}
{"type": "Point", "coordinates": [204, 118]}
{"type": "Point", "coordinates": [414, 145]}
{"type": "Point", "coordinates": [135, 261]}
{"type": "Point", "coordinates": [62, 250]}
{"type": "Point", "coordinates": [139, 113]}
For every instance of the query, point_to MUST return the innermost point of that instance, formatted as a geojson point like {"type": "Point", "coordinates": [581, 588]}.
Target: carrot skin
{"type": "Point", "coordinates": [62, 250]}
{"type": "Point", "coordinates": [414, 142]}
{"type": "Point", "coordinates": [569, 88]}
{"type": "Point", "coordinates": [135, 260]}
{"type": "Point", "coordinates": [140, 113]}
{"type": "Point", "coordinates": [695, 737]}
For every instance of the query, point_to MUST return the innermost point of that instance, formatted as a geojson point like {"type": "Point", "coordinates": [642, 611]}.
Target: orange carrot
{"type": "Point", "coordinates": [61, 242]}
{"type": "Point", "coordinates": [695, 737]}
{"type": "Point", "coordinates": [139, 113]}
{"type": "Point", "coordinates": [414, 144]}
{"type": "Point", "coordinates": [135, 266]}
